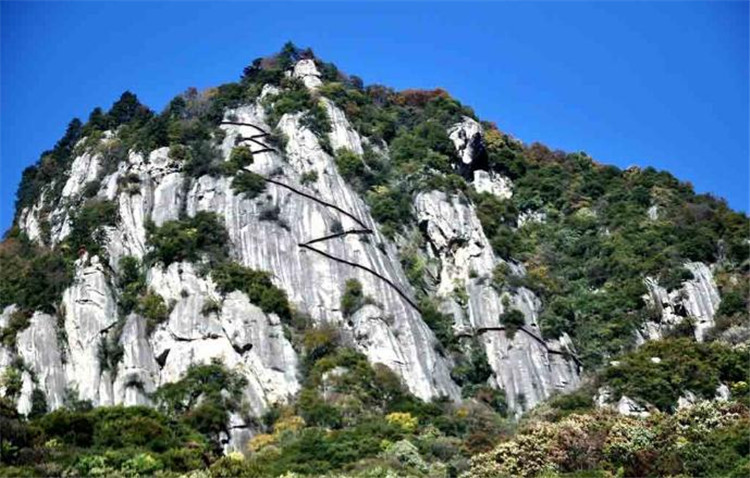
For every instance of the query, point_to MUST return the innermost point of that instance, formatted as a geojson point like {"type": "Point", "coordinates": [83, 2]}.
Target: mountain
{"type": "Point", "coordinates": [316, 273]}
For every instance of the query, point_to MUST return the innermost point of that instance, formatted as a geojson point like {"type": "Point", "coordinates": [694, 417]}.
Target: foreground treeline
{"type": "Point", "coordinates": [353, 419]}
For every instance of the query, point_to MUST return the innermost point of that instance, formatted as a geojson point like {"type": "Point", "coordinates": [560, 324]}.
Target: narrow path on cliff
{"type": "Point", "coordinates": [308, 245]}
{"type": "Point", "coordinates": [365, 230]}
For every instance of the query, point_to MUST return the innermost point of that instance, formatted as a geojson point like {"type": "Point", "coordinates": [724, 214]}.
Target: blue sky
{"type": "Point", "coordinates": [648, 83]}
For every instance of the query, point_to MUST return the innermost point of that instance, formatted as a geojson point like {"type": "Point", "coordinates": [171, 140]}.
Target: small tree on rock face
{"type": "Point", "coordinates": [353, 298]}
{"type": "Point", "coordinates": [204, 398]}
{"type": "Point", "coordinates": [512, 320]}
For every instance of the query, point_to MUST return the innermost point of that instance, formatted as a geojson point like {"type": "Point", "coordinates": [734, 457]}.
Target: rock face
{"type": "Point", "coordinates": [306, 71]}
{"type": "Point", "coordinates": [390, 331]}
{"type": "Point", "coordinates": [152, 187]}
{"type": "Point", "coordinates": [467, 138]}
{"type": "Point", "coordinates": [696, 300]}
{"type": "Point", "coordinates": [526, 366]}
{"type": "Point", "coordinates": [493, 183]}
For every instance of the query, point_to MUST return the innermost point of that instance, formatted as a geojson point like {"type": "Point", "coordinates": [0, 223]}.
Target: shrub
{"type": "Point", "coordinates": [231, 276]}
{"type": "Point", "coordinates": [308, 177]}
{"type": "Point", "coordinates": [673, 278]}
{"type": "Point", "coordinates": [440, 324]}
{"type": "Point", "coordinates": [86, 231]}
{"type": "Point", "coordinates": [232, 467]}
{"type": "Point", "coordinates": [472, 368]}
{"type": "Point", "coordinates": [142, 464]}
{"type": "Point", "coordinates": [210, 306]}
{"type": "Point", "coordinates": [293, 99]}
{"type": "Point", "coordinates": [204, 159]}
{"type": "Point", "coordinates": [353, 298]}
{"type": "Point", "coordinates": [187, 239]}
{"type": "Point", "coordinates": [684, 365]}
{"type": "Point", "coordinates": [30, 276]}
{"type": "Point", "coordinates": [350, 165]}
{"type": "Point", "coordinates": [316, 120]}
{"type": "Point", "coordinates": [110, 352]}
{"type": "Point", "coordinates": [512, 320]}
{"type": "Point", "coordinates": [240, 157]}
{"type": "Point", "coordinates": [131, 282]}
{"type": "Point", "coordinates": [390, 207]}
{"type": "Point", "coordinates": [39, 405]}
{"type": "Point", "coordinates": [17, 322]}
{"type": "Point", "coordinates": [492, 397]}
{"type": "Point", "coordinates": [269, 213]}
{"type": "Point", "coordinates": [153, 308]}
{"type": "Point", "coordinates": [319, 342]}
{"type": "Point", "coordinates": [180, 152]}
{"type": "Point", "coordinates": [249, 183]}
{"type": "Point", "coordinates": [404, 421]}
{"type": "Point", "coordinates": [203, 398]}
{"type": "Point", "coordinates": [732, 303]}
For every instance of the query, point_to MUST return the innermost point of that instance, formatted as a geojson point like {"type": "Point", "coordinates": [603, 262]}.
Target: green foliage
{"type": "Point", "coordinates": [110, 352]}
{"type": "Point", "coordinates": [203, 398]}
{"type": "Point", "coordinates": [512, 320]}
{"type": "Point", "coordinates": [733, 303]}
{"type": "Point", "coordinates": [684, 365]}
{"type": "Point", "coordinates": [308, 177]}
{"type": "Point", "coordinates": [153, 308]}
{"type": "Point", "coordinates": [589, 257]}
{"type": "Point", "coordinates": [441, 324]}
{"type": "Point", "coordinates": [261, 291]}
{"type": "Point", "coordinates": [293, 98]}
{"type": "Point", "coordinates": [30, 276]}
{"type": "Point", "coordinates": [390, 207]}
{"type": "Point", "coordinates": [472, 368]}
{"type": "Point", "coordinates": [249, 183]}
{"type": "Point", "coordinates": [203, 158]}
{"type": "Point", "coordinates": [240, 157]}
{"type": "Point", "coordinates": [316, 120]}
{"type": "Point", "coordinates": [86, 232]}
{"type": "Point", "coordinates": [674, 278]}
{"type": "Point", "coordinates": [353, 298]}
{"type": "Point", "coordinates": [51, 168]}
{"type": "Point", "coordinates": [125, 110]}
{"type": "Point", "coordinates": [17, 322]}
{"type": "Point", "coordinates": [188, 239]}
{"type": "Point", "coordinates": [708, 439]}
{"type": "Point", "coordinates": [586, 261]}
{"type": "Point", "coordinates": [131, 282]}
{"type": "Point", "coordinates": [580, 401]}
{"type": "Point", "coordinates": [498, 217]}
{"type": "Point", "coordinates": [350, 165]}
{"type": "Point", "coordinates": [39, 405]}
{"type": "Point", "coordinates": [319, 342]}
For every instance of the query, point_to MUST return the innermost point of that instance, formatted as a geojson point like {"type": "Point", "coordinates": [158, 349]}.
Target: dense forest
{"type": "Point", "coordinates": [585, 233]}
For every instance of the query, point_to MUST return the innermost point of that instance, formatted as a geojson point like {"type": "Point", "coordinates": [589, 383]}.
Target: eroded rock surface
{"type": "Point", "coordinates": [696, 300]}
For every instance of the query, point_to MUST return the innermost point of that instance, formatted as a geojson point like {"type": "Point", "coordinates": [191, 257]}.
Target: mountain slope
{"type": "Point", "coordinates": [283, 223]}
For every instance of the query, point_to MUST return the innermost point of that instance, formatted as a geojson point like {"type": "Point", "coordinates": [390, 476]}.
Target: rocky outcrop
{"type": "Point", "coordinates": [696, 300]}
{"type": "Point", "coordinates": [90, 310]}
{"type": "Point", "coordinates": [38, 346]}
{"type": "Point", "coordinates": [467, 138]}
{"type": "Point", "coordinates": [474, 165]}
{"type": "Point", "coordinates": [306, 71]}
{"type": "Point", "coordinates": [152, 187]}
{"type": "Point", "coordinates": [526, 366]}
{"type": "Point", "coordinates": [493, 183]}
{"type": "Point", "coordinates": [83, 170]}
{"type": "Point", "coordinates": [315, 278]}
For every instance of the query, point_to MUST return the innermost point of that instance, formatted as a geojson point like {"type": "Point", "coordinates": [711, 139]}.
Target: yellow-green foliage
{"type": "Point", "coordinates": [708, 439]}
{"type": "Point", "coordinates": [405, 421]}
